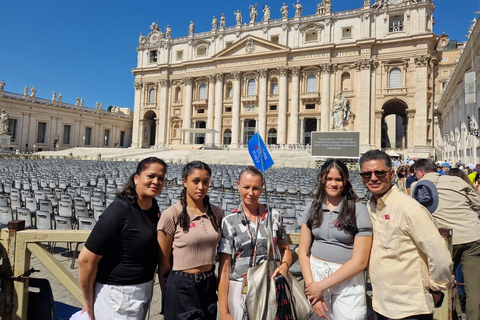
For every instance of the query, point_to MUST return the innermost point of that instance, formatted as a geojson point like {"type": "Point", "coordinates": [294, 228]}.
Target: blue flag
{"type": "Point", "coordinates": [259, 153]}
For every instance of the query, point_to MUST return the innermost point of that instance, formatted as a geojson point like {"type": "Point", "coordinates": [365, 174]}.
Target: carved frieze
{"type": "Point", "coordinates": [250, 46]}
{"type": "Point", "coordinates": [250, 108]}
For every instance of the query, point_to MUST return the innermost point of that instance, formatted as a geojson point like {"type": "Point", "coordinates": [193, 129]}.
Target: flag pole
{"type": "Point", "coordinates": [270, 220]}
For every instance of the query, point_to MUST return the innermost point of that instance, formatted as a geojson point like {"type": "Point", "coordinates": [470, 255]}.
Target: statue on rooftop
{"type": "Point", "coordinates": [4, 118]}
{"type": "Point", "coordinates": [298, 9]}
{"type": "Point", "coordinates": [168, 32]}
{"type": "Point", "coordinates": [238, 17]}
{"type": "Point", "coordinates": [191, 28]}
{"type": "Point", "coordinates": [142, 40]}
{"type": "Point", "coordinates": [34, 92]}
{"type": "Point", "coordinates": [77, 101]}
{"type": "Point", "coordinates": [101, 106]}
{"type": "Point", "coordinates": [253, 12]}
{"type": "Point", "coordinates": [2, 85]}
{"type": "Point", "coordinates": [328, 5]}
{"type": "Point", "coordinates": [54, 96]}
{"type": "Point", "coordinates": [154, 27]}
{"type": "Point", "coordinates": [266, 13]}
{"type": "Point", "coordinates": [60, 97]}
{"type": "Point", "coordinates": [284, 10]}
{"type": "Point", "coordinates": [25, 91]}
{"type": "Point", "coordinates": [214, 23]}
{"type": "Point", "coordinates": [81, 102]}
{"type": "Point", "coordinates": [222, 21]}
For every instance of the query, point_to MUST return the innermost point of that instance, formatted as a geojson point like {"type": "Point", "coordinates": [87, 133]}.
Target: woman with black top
{"type": "Point", "coordinates": [117, 265]}
{"type": "Point", "coordinates": [188, 234]}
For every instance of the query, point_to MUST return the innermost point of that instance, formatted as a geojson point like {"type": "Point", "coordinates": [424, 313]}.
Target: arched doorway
{"type": "Point", "coordinates": [227, 137]}
{"type": "Point", "coordinates": [394, 125]}
{"type": "Point", "coordinates": [248, 130]}
{"type": "Point", "coordinates": [272, 137]}
{"type": "Point", "coordinates": [149, 129]}
{"type": "Point", "coordinates": [200, 137]}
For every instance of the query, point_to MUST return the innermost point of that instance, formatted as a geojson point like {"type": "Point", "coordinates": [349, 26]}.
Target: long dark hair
{"type": "Point", "coordinates": [128, 191]}
{"type": "Point", "coordinates": [347, 215]}
{"type": "Point", "coordinates": [184, 219]}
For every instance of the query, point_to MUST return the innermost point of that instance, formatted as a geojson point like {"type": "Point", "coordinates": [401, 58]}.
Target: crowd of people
{"type": "Point", "coordinates": [395, 237]}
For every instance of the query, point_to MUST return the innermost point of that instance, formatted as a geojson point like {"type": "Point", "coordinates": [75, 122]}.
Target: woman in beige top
{"type": "Point", "coordinates": [188, 235]}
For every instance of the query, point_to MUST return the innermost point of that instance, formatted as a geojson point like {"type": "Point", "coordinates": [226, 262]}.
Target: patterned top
{"type": "Point", "coordinates": [238, 237]}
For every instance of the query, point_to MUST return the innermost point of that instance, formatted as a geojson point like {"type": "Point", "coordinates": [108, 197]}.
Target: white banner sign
{"type": "Point", "coordinates": [470, 92]}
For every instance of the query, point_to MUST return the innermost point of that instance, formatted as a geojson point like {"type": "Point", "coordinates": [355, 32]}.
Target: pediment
{"type": "Point", "coordinates": [252, 46]}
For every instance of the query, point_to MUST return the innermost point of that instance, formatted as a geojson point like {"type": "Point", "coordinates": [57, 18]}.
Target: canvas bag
{"type": "Point", "coordinates": [261, 297]}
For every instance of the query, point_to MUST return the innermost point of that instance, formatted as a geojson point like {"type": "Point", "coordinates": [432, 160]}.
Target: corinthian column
{"type": "Point", "coordinates": [218, 105]}
{"type": "Point", "coordinates": [188, 109]}
{"type": "Point", "coordinates": [236, 108]}
{"type": "Point", "coordinates": [294, 106]}
{"type": "Point", "coordinates": [282, 106]}
{"type": "Point", "coordinates": [262, 103]}
{"type": "Point", "coordinates": [136, 142]}
{"type": "Point", "coordinates": [162, 117]}
{"type": "Point", "coordinates": [326, 69]}
{"type": "Point", "coordinates": [210, 108]}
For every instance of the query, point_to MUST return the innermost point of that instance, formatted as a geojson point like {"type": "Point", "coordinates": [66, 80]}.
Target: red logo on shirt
{"type": "Point", "coordinates": [191, 225]}
{"type": "Point", "coordinates": [387, 217]}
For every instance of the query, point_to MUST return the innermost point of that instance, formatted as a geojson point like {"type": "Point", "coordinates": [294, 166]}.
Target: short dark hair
{"type": "Point", "coordinates": [426, 165]}
{"type": "Point", "coordinates": [376, 155]}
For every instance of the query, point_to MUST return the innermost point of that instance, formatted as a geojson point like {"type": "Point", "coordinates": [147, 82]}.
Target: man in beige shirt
{"type": "Point", "coordinates": [409, 262]}
{"type": "Point", "coordinates": [457, 204]}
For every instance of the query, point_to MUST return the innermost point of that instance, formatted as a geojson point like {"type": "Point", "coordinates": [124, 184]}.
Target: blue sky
{"type": "Point", "coordinates": [86, 48]}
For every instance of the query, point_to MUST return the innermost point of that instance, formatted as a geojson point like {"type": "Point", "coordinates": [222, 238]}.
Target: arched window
{"type": "Point", "coordinates": [311, 83]}
{"type": "Point", "coordinates": [395, 78]}
{"type": "Point", "coordinates": [202, 92]}
{"type": "Point", "coordinates": [178, 94]}
{"type": "Point", "coordinates": [274, 86]}
{"type": "Point", "coordinates": [252, 87]}
{"type": "Point", "coordinates": [346, 83]}
{"type": "Point", "coordinates": [272, 137]}
{"type": "Point", "coordinates": [227, 137]}
{"type": "Point", "coordinates": [151, 97]}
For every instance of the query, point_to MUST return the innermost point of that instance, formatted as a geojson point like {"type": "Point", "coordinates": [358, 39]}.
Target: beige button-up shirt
{"type": "Point", "coordinates": [408, 257]}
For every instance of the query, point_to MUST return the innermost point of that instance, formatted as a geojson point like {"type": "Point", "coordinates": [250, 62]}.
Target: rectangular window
{"type": "Point", "coordinates": [66, 133]}
{"type": "Point", "coordinates": [201, 111]}
{"type": "Point", "coordinates": [347, 33]}
{"type": "Point", "coordinates": [201, 51]}
{"type": "Point", "coordinates": [88, 136]}
{"type": "Point", "coordinates": [122, 138]}
{"type": "Point", "coordinates": [106, 137]}
{"type": "Point", "coordinates": [180, 55]}
{"type": "Point", "coordinates": [228, 109]}
{"type": "Point", "coordinates": [273, 107]}
{"type": "Point", "coordinates": [12, 129]}
{"type": "Point", "coordinates": [274, 39]}
{"type": "Point", "coordinates": [310, 107]}
{"type": "Point", "coordinates": [311, 36]}
{"type": "Point", "coordinates": [396, 24]}
{"type": "Point", "coordinates": [153, 56]}
{"type": "Point", "coordinates": [41, 132]}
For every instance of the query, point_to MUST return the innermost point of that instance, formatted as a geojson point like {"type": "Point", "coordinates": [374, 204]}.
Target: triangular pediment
{"type": "Point", "coordinates": [251, 46]}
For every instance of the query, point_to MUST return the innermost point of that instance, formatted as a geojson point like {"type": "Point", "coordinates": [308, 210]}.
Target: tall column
{"type": "Point", "coordinates": [421, 99]}
{"type": "Point", "coordinates": [188, 108]}
{"type": "Point", "coordinates": [194, 135]}
{"type": "Point", "coordinates": [294, 106]}
{"type": "Point", "coordinates": [282, 106]}
{"type": "Point", "coordinates": [318, 122]}
{"type": "Point", "coordinates": [302, 129]}
{"type": "Point", "coordinates": [391, 121]}
{"type": "Point", "coordinates": [378, 130]}
{"type": "Point", "coordinates": [136, 131]}
{"type": "Point", "coordinates": [163, 114]}
{"type": "Point", "coordinates": [262, 103]}
{"type": "Point", "coordinates": [325, 100]}
{"type": "Point", "coordinates": [236, 108]}
{"type": "Point", "coordinates": [410, 131]}
{"type": "Point", "coordinates": [242, 129]}
{"type": "Point", "coordinates": [210, 108]}
{"type": "Point", "coordinates": [218, 105]}
{"type": "Point", "coordinates": [363, 99]}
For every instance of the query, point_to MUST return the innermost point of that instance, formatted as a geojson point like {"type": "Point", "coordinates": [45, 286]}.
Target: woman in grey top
{"type": "Point", "coordinates": [337, 230]}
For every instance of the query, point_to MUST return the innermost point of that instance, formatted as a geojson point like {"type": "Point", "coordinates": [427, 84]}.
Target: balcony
{"type": "Point", "coordinates": [273, 97]}
{"type": "Point", "coordinates": [200, 103]}
{"type": "Point", "coordinates": [309, 96]}
{"type": "Point", "coordinates": [250, 98]}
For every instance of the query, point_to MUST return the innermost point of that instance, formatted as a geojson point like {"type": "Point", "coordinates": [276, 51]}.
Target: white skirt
{"type": "Point", "coordinates": [345, 301]}
{"type": "Point", "coordinates": [115, 302]}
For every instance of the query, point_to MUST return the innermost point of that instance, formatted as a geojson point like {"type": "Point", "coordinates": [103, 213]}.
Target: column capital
{"type": "Point", "coordinates": [138, 85]}
{"type": "Point", "coordinates": [295, 71]}
{"type": "Point", "coordinates": [422, 60]}
{"type": "Point", "coordinates": [211, 78]}
{"type": "Point", "coordinates": [164, 83]}
{"type": "Point", "coordinates": [188, 81]}
{"type": "Point", "coordinates": [327, 67]}
{"type": "Point", "coordinates": [237, 75]}
{"type": "Point", "coordinates": [283, 71]}
{"type": "Point", "coordinates": [262, 73]}
{"type": "Point", "coordinates": [364, 64]}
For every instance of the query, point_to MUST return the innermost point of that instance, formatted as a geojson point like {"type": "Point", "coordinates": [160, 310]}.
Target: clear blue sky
{"type": "Point", "coordinates": [86, 48]}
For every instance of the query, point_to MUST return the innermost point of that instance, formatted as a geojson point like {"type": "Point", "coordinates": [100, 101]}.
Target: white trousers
{"type": "Point", "coordinates": [130, 302]}
{"type": "Point", "coordinates": [345, 301]}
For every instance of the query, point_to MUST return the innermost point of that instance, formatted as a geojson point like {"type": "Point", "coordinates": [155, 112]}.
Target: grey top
{"type": "Point", "coordinates": [331, 244]}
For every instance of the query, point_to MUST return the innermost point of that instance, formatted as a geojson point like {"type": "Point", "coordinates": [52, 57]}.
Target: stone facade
{"type": "Point", "coordinates": [37, 124]}
{"type": "Point", "coordinates": [280, 77]}
{"type": "Point", "coordinates": [458, 138]}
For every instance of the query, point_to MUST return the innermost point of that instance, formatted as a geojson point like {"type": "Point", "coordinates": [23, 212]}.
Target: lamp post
{"type": "Point", "coordinates": [471, 129]}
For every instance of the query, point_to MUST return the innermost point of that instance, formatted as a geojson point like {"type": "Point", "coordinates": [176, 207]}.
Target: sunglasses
{"type": "Point", "coordinates": [378, 173]}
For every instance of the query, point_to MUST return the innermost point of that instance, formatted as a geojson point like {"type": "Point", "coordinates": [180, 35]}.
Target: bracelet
{"type": "Point", "coordinates": [283, 263]}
